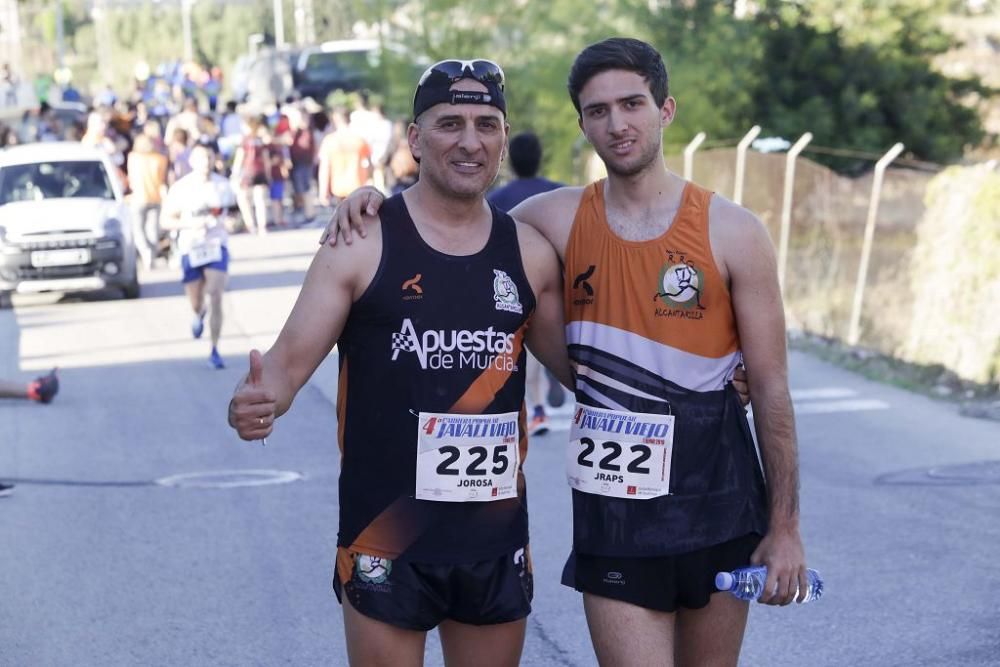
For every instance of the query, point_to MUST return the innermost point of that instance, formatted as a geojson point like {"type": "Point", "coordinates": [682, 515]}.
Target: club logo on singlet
{"type": "Point", "coordinates": [505, 293]}
{"type": "Point", "coordinates": [372, 569]}
{"type": "Point", "coordinates": [680, 287]}
{"type": "Point", "coordinates": [456, 348]}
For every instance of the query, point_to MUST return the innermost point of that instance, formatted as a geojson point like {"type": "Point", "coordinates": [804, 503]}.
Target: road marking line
{"type": "Point", "coordinates": [822, 393]}
{"type": "Point", "coordinates": [215, 479]}
{"type": "Point", "coordinates": [840, 406]}
{"type": "Point", "coordinates": [818, 401]}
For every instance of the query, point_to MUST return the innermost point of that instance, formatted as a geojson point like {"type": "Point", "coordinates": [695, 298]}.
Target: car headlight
{"type": "Point", "coordinates": [112, 227]}
{"type": "Point", "coordinates": [4, 247]}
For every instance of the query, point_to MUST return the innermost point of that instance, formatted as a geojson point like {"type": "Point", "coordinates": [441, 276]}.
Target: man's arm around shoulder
{"type": "Point", "coordinates": [552, 214]}
{"type": "Point", "coordinates": [546, 336]}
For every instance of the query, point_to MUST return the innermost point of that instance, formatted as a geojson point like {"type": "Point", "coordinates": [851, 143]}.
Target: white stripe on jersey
{"type": "Point", "coordinates": [608, 381]}
{"type": "Point", "coordinates": [602, 400]}
{"type": "Point", "coordinates": [688, 370]}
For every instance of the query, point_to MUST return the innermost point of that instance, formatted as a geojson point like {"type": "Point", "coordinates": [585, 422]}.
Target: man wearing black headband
{"type": "Point", "coordinates": [668, 287]}
{"type": "Point", "coordinates": [436, 86]}
{"type": "Point", "coordinates": [431, 322]}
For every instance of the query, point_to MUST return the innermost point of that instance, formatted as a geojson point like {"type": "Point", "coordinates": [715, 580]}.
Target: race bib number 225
{"type": "Point", "coordinates": [467, 458]}
{"type": "Point", "coordinates": [620, 454]}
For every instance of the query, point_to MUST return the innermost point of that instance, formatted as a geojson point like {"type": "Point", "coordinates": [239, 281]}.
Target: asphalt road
{"type": "Point", "coordinates": [103, 565]}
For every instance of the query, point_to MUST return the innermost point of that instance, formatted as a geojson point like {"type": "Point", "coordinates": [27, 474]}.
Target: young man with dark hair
{"type": "Point", "coordinates": [433, 513]}
{"type": "Point", "coordinates": [668, 287]}
{"type": "Point", "coordinates": [700, 296]}
{"type": "Point", "coordinates": [624, 54]}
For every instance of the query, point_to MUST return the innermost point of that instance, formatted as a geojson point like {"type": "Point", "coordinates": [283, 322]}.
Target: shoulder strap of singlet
{"type": "Point", "coordinates": [398, 229]}
{"type": "Point", "coordinates": [693, 211]}
{"type": "Point", "coordinates": [590, 208]}
{"type": "Point", "coordinates": [504, 228]}
{"type": "Point", "coordinates": [696, 198]}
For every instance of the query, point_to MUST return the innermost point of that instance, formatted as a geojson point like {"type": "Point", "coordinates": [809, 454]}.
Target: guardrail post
{"type": "Point", "coordinates": [689, 154]}
{"type": "Point", "coordinates": [786, 206]}
{"type": "Point", "coordinates": [854, 330]}
{"type": "Point", "coordinates": [741, 162]}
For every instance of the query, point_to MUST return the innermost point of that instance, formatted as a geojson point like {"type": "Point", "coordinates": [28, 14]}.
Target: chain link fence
{"type": "Point", "coordinates": [932, 288]}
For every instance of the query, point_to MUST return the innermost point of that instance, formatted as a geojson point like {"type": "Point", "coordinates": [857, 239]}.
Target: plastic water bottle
{"type": "Point", "coordinates": [747, 583]}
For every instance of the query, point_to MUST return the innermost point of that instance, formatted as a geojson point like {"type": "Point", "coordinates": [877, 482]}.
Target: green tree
{"type": "Point", "coordinates": [864, 82]}
{"type": "Point", "coordinates": [714, 62]}
{"type": "Point", "coordinates": [534, 42]}
{"type": "Point", "coordinates": [855, 73]}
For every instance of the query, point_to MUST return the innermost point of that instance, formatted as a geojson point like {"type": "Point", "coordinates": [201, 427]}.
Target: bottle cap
{"type": "Point", "coordinates": [724, 581]}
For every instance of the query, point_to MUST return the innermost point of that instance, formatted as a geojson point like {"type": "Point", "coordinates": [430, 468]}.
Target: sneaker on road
{"type": "Point", "coordinates": [215, 360]}
{"type": "Point", "coordinates": [539, 425]}
{"type": "Point", "coordinates": [43, 389]}
{"type": "Point", "coordinates": [6, 490]}
{"type": "Point", "coordinates": [198, 325]}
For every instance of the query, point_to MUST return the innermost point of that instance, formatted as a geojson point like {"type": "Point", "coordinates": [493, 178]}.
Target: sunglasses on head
{"type": "Point", "coordinates": [483, 71]}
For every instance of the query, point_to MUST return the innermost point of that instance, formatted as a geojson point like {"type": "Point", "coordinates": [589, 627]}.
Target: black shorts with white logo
{"type": "Point", "coordinates": [663, 583]}
{"type": "Point", "coordinates": [419, 596]}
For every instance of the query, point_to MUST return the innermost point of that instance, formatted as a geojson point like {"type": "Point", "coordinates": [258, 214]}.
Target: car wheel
{"type": "Point", "coordinates": [5, 300]}
{"type": "Point", "coordinates": [132, 289]}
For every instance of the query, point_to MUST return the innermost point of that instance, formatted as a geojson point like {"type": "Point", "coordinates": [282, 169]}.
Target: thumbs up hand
{"type": "Point", "coordinates": [252, 409]}
{"type": "Point", "coordinates": [256, 375]}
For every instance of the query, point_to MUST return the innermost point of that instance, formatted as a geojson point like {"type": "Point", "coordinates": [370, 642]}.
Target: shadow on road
{"type": "Point", "coordinates": [239, 282]}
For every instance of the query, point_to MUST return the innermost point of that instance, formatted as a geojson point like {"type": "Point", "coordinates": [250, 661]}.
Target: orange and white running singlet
{"type": "Point", "coordinates": [651, 330]}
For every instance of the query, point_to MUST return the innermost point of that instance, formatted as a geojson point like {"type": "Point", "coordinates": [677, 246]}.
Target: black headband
{"type": "Point", "coordinates": [439, 92]}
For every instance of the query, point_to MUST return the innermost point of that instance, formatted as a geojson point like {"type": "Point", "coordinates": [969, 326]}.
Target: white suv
{"type": "Point", "coordinates": [64, 224]}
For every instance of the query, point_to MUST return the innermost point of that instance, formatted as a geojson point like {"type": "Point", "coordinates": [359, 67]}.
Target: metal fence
{"type": "Point", "coordinates": [844, 245]}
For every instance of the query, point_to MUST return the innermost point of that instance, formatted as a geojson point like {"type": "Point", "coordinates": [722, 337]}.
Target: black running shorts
{"type": "Point", "coordinates": [419, 596]}
{"type": "Point", "coordinates": [663, 583]}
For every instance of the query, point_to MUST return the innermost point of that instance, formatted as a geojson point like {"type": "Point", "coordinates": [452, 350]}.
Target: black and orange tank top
{"type": "Point", "coordinates": [651, 329]}
{"type": "Point", "coordinates": [432, 333]}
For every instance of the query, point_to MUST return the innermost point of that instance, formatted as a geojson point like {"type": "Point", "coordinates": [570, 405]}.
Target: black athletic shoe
{"type": "Point", "coordinates": [6, 490]}
{"type": "Point", "coordinates": [43, 389]}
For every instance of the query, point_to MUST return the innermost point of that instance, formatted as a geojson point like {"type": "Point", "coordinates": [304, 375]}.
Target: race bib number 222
{"type": "Point", "coordinates": [620, 454]}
